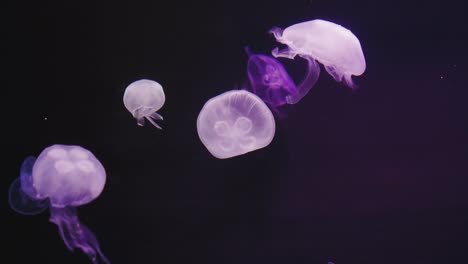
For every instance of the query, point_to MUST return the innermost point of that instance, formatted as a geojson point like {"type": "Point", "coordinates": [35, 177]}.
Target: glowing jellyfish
{"type": "Point", "coordinates": [337, 48]}
{"type": "Point", "coordinates": [142, 99]}
{"type": "Point", "coordinates": [234, 123]}
{"type": "Point", "coordinates": [271, 82]}
{"type": "Point", "coordinates": [61, 178]}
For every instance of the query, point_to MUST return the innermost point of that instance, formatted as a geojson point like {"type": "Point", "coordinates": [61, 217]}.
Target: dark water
{"type": "Point", "coordinates": [373, 176]}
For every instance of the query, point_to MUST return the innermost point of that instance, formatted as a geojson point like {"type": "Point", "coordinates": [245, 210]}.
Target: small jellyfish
{"type": "Point", "coordinates": [337, 48]}
{"type": "Point", "coordinates": [271, 82]}
{"type": "Point", "coordinates": [61, 178]}
{"type": "Point", "coordinates": [234, 123]}
{"type": "Point", "coordinates": [142, 99]}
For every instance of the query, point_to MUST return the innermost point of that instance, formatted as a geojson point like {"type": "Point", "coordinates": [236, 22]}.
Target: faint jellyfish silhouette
{"type": "Point", "coordinates": [271, 82]}
{"type": "Point", "coordinates": [234, 123]}
{"type": "Point", "coordinates": [142, 99]}
{"type": "Point", "coordinates": [337, 48]}
{"type": "Point", "coordinates": [61, 178]}
{"type": "Point", "coordinates": [22, 193]}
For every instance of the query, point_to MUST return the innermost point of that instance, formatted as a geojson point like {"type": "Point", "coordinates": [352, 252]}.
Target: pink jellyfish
{"type": "Point", "coordinates": [143, 98]}
{"type": "Point", "coordinates": [234, 123]}
{"type": "Point", "coordinates": [337, 48]}
{"type": "Point", "coordinates": [61, 178]}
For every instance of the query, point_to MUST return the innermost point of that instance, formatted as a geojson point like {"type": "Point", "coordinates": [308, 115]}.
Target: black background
{"type": "Point", "coordinates": [378, 175]}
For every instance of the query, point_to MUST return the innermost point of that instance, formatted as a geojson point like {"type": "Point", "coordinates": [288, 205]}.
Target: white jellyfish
{"type": "Point", "coordinates": [61, 178]}
{"type": "Point", "coordinates": [142, 99]}
{"type": "Point", "coordinates": [234, 123]}
{"type": "Point", "coordinates": [336, 47]}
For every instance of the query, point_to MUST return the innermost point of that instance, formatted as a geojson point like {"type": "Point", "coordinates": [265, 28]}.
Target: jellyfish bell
{"type": "Point", "coordinates": [68, 176]}
{"type": "Point", "coordinates": [271, 82]}
{"type": "Point", "coordinates": [61, 178]}
{"type": "Point", "coordinates": [143, 98]}
{"type": "Point", "coordinates": [234, 123]}
{"type": "Point", "coordinates": [269, 79]}
{"type": "Point", "coordinates": [22, 195]}
{"type": "Point", "coordinates": [336, 47]}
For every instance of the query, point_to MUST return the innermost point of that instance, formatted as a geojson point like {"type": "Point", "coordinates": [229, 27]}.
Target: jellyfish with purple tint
{"type": "Point", "coordinates": [271, 82]}
{"type": "Point", "coordinates": [234, 123]}
{"type": "Point", "coordinates": [61, 178]}
{"type": "Point", "coordinates": [143, 98]}
{"type": "Point", "coordinates": [336, 47]}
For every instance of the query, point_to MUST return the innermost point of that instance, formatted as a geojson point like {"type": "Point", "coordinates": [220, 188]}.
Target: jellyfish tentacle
{"type": "Point", "coordinates": [156, 116]}
{"type": "Point", "coordinates": [149, 118]}
{"type": "Point", "coordinates": [64, 233]}
{"type": "Point", "coordinates": [311, 78]}
{"type": "Point", "coordinates": [335, 73]}
{"type": "Point", "coordinates": [137, 114]}
{"type": "Point", "coordinates": [75, 234]}
{"type": "Point", "coordinates": [141, 121]}
{"type": "Point", "coordinates": [349, 81]}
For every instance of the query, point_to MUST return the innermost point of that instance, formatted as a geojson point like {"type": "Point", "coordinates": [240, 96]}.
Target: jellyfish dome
{"type": "Point", "coordinates": [336, 47]}
{"type": "Point", "coordinates": [61, 178]}
{"type": "Point", "coordinates": [234, 123]}
{"type": "Point", "coordinates": [68, 176]}
{"type": "Point", "coordinates": [271, 82]}
{"type": "Point", "coordinates": [143, 98]}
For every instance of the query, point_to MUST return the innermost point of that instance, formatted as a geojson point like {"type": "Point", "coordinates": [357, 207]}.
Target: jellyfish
{"type": "Point", "coordinates": [271, 82]}
{"type": "Point", "coordinates": [142, 99]}
{"type": "Point", "coordinates": [234, 123]}
{"type": "Point", "coordinates": [61, 178]}
{"type": "Point", "coordinates": [336, 47]}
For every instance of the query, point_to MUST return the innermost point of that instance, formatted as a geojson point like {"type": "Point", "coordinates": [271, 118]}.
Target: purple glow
{"type": "Point", "coordinates": [61, 178]}
{"type": "Point", "coordinates": [271, 82]}
{"type": "Point", "coordinates": [337, 48]}
{"type": "Point", "coordinates": [234, 123]}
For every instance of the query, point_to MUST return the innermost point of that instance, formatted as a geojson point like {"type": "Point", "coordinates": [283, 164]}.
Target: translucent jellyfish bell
{"type": "Point", "coordinates": [22, 195]}
{"type": "Point", "coordinates": [142, 99]}
{"type": "Point", "coordinates": [337, 48]}
{"type": "Point", "coordinates": [61, 178]}
{"type": "Point", "coordinates": [234, 123]}
{"type": "Point", "coordinates": [271, 82]}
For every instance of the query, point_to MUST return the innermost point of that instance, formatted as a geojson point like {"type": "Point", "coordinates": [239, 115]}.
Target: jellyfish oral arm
{"type": "Point", "coordinates": [75, 234]}
{"type": "Point", "coordinates": [313, 72]}
{"type": "Point", "coordinates": [154, 116]}
{"type": "Point", "coordinates": [140, 117]}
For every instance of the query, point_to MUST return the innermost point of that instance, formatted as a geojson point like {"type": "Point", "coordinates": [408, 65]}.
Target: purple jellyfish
{"type": "Point", "coordinates": [61, 178]}
{"type": "Point", "coordinates": [271, 82]}
{"type": "Point", "coordinates": [234, 123]}
{"type": "Point", "coordinates": [337, 48]}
